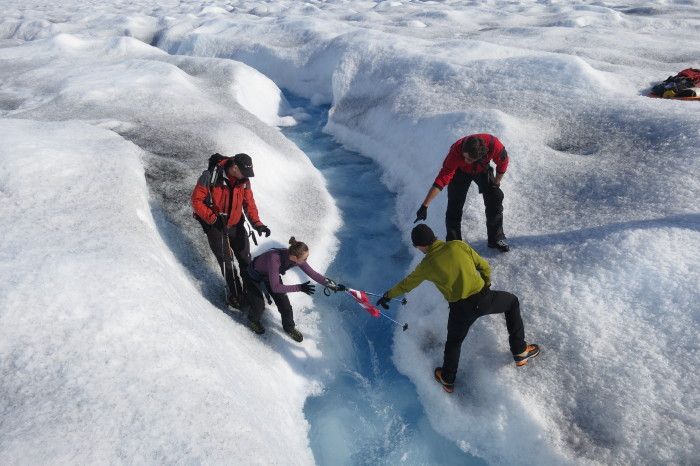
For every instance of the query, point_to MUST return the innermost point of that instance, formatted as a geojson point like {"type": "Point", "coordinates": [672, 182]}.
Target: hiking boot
{"type": "Point", "coordinates": [532, 351]}
{"type": "Point", "coordinates": [257, 327]}
{"type": "Point", "coordinates": [235, 301]}
{"type": "Point", "coordinates": [500, 245]}
{"type": "Point", "coordinates": [448, 387]}
{"type": "Point", "coordinates": [295, 334]}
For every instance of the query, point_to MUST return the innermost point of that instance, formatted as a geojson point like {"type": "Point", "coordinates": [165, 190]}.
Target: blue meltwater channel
{"type": "Point", "coordinates": [369, 413]}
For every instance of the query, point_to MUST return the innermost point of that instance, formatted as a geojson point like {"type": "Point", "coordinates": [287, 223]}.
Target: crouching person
{"type": "Point", "coordinates": [464, 279]}
{"type": "Point", "coordinates": [265, 273]}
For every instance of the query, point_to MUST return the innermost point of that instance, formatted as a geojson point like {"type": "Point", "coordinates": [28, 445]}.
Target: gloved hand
{"type": "Point", "coordinates": [262, 229]}
{"type": "Point", "coordinates": [219, 223]}
{"type": "Point", "coordinates": [422, 213]}
{"type": "Point", "coordinates": [492, 178]}
{"type": "Point", "coordinates": [334, 286]}
{"type": "Point", "coordinates": [307, 288]}
{"type": "Point", "coordinates": [384, 301]}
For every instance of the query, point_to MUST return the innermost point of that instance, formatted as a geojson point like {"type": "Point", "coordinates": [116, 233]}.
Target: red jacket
{"type": "Point", "coordinates": [229, 196]}
{"type": "Point", "coordinates": [455, 160]}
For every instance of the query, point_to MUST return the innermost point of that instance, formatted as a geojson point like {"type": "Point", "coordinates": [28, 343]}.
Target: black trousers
{"type": "Point", "coordinates": [457, 195]}
{"type": "Point", "coordinates": [238, 239]}
{"type": "Point", "coordinates": [463, 314]}
{"type": "Point", "coordinates": [257, 304]}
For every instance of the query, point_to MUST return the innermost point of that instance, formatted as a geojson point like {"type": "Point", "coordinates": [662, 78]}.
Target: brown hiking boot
{"type": "Point", "coordinates": [448, 387]}
{"type": "Point", "coordinates": [257, 327]}
{"type": "Point", "coordinates": [532, 351]}
{"type": "Point", "coordinates": [295, 334]}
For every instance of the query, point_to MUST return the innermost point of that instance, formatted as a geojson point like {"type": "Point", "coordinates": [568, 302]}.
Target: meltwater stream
{"type": "Point", "coordinates": [369, 413]}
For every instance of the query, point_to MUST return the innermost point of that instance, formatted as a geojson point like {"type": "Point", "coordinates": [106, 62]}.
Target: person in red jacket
{"type": "Point", "coordinates": [469, 160]}
{"type": "Point", "coordinates": [219, 205]}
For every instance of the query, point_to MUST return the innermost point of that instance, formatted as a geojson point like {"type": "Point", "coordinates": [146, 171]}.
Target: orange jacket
{"type": "Point", "coordinates": [230, 196]}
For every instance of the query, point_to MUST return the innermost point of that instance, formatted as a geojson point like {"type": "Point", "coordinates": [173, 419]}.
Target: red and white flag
{"type": "Point", "coordinates": [363, 300]}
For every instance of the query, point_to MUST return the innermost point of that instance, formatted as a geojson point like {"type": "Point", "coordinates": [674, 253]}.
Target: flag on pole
{"type": "Point", "coordinates": [363, 300]}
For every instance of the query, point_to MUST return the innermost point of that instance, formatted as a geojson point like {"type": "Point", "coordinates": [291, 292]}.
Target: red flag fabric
{"type": "Point", "coordinates": [363, 300]}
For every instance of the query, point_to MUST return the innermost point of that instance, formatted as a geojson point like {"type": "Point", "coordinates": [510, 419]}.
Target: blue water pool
{"type": "Point", "coordinates": [369, 412]}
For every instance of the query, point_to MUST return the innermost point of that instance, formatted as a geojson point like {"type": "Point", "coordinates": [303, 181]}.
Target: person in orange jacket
{"type": "Point", "coordinates": [219, 204]}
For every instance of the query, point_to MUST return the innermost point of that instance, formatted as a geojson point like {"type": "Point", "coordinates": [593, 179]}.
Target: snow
{"type": "Point", "coordinates": [113, 347]}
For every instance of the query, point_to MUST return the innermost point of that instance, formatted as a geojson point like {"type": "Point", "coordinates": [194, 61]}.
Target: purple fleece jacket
{"type": "Point", "coordinates": [270, 265]}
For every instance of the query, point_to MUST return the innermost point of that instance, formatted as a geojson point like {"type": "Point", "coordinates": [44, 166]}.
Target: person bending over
{"type": "Point", "coordinates": [469, 160]}
{"type": "Point", "coordinates": [464, 279]}
{"type": "Point", "coordinates": [265, 273]}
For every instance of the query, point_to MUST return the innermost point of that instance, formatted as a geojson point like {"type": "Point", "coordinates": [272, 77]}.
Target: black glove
{"type": "Point", "coordinates": [492, 178]}
{"type": "Point", "coordinates": [308, 289]}
{"type": "Point", "coordinates": [384, 301]}
{"type": "Point", "coordinates": [422, 213]}
{"type": "Point", "coordinates": [334, 286]}
{"type": "Point", "coordinates": [218, 223]}
{"type": "Point", "coordinates": [262, 229]}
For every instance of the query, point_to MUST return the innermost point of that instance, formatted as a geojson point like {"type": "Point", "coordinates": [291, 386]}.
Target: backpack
{"type": "Point", "coordinates": [679, 85]}
{"type": "Point", "coordinates": [213, 175]}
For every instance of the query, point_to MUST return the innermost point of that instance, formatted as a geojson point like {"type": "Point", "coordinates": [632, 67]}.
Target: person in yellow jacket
{"type": "Point", "coordinates": [464, 279]}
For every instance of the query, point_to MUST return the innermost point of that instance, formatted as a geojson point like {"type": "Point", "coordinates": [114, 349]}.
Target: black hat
{"type": "Point", "coordinates": [422, 235]}
{"type": "Point", "coordinates": [245, 164]}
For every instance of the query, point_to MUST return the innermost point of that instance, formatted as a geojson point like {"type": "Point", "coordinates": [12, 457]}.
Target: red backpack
{"type": "Point", "coordinates": [692, 74]}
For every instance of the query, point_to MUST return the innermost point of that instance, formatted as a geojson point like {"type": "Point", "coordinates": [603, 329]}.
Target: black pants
{"type": "Point", "coordinates": [457, 195]}
{"type": "Point", "coordinates": [463, 314]}
{"type": "Point", "coordinates": [238, 239]}
{"type": "Point", "coordinates": [257, 304]}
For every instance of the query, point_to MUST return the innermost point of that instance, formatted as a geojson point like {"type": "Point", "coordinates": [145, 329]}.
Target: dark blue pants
{"type": "Point", "coordinates": [463, 314]}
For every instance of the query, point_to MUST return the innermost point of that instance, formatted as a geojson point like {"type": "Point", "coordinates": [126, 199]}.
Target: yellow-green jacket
{"type": "Point", "coordinates": [454, 268]}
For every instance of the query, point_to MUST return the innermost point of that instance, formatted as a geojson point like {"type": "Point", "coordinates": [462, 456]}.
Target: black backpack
{"type": "Point", "coordinates": [679, 85]}
{"type": "Point", "coordinates": [213, 175]}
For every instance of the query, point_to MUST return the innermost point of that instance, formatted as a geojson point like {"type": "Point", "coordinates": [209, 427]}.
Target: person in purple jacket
{"type": "Point", "coordinates": [265, 273]}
